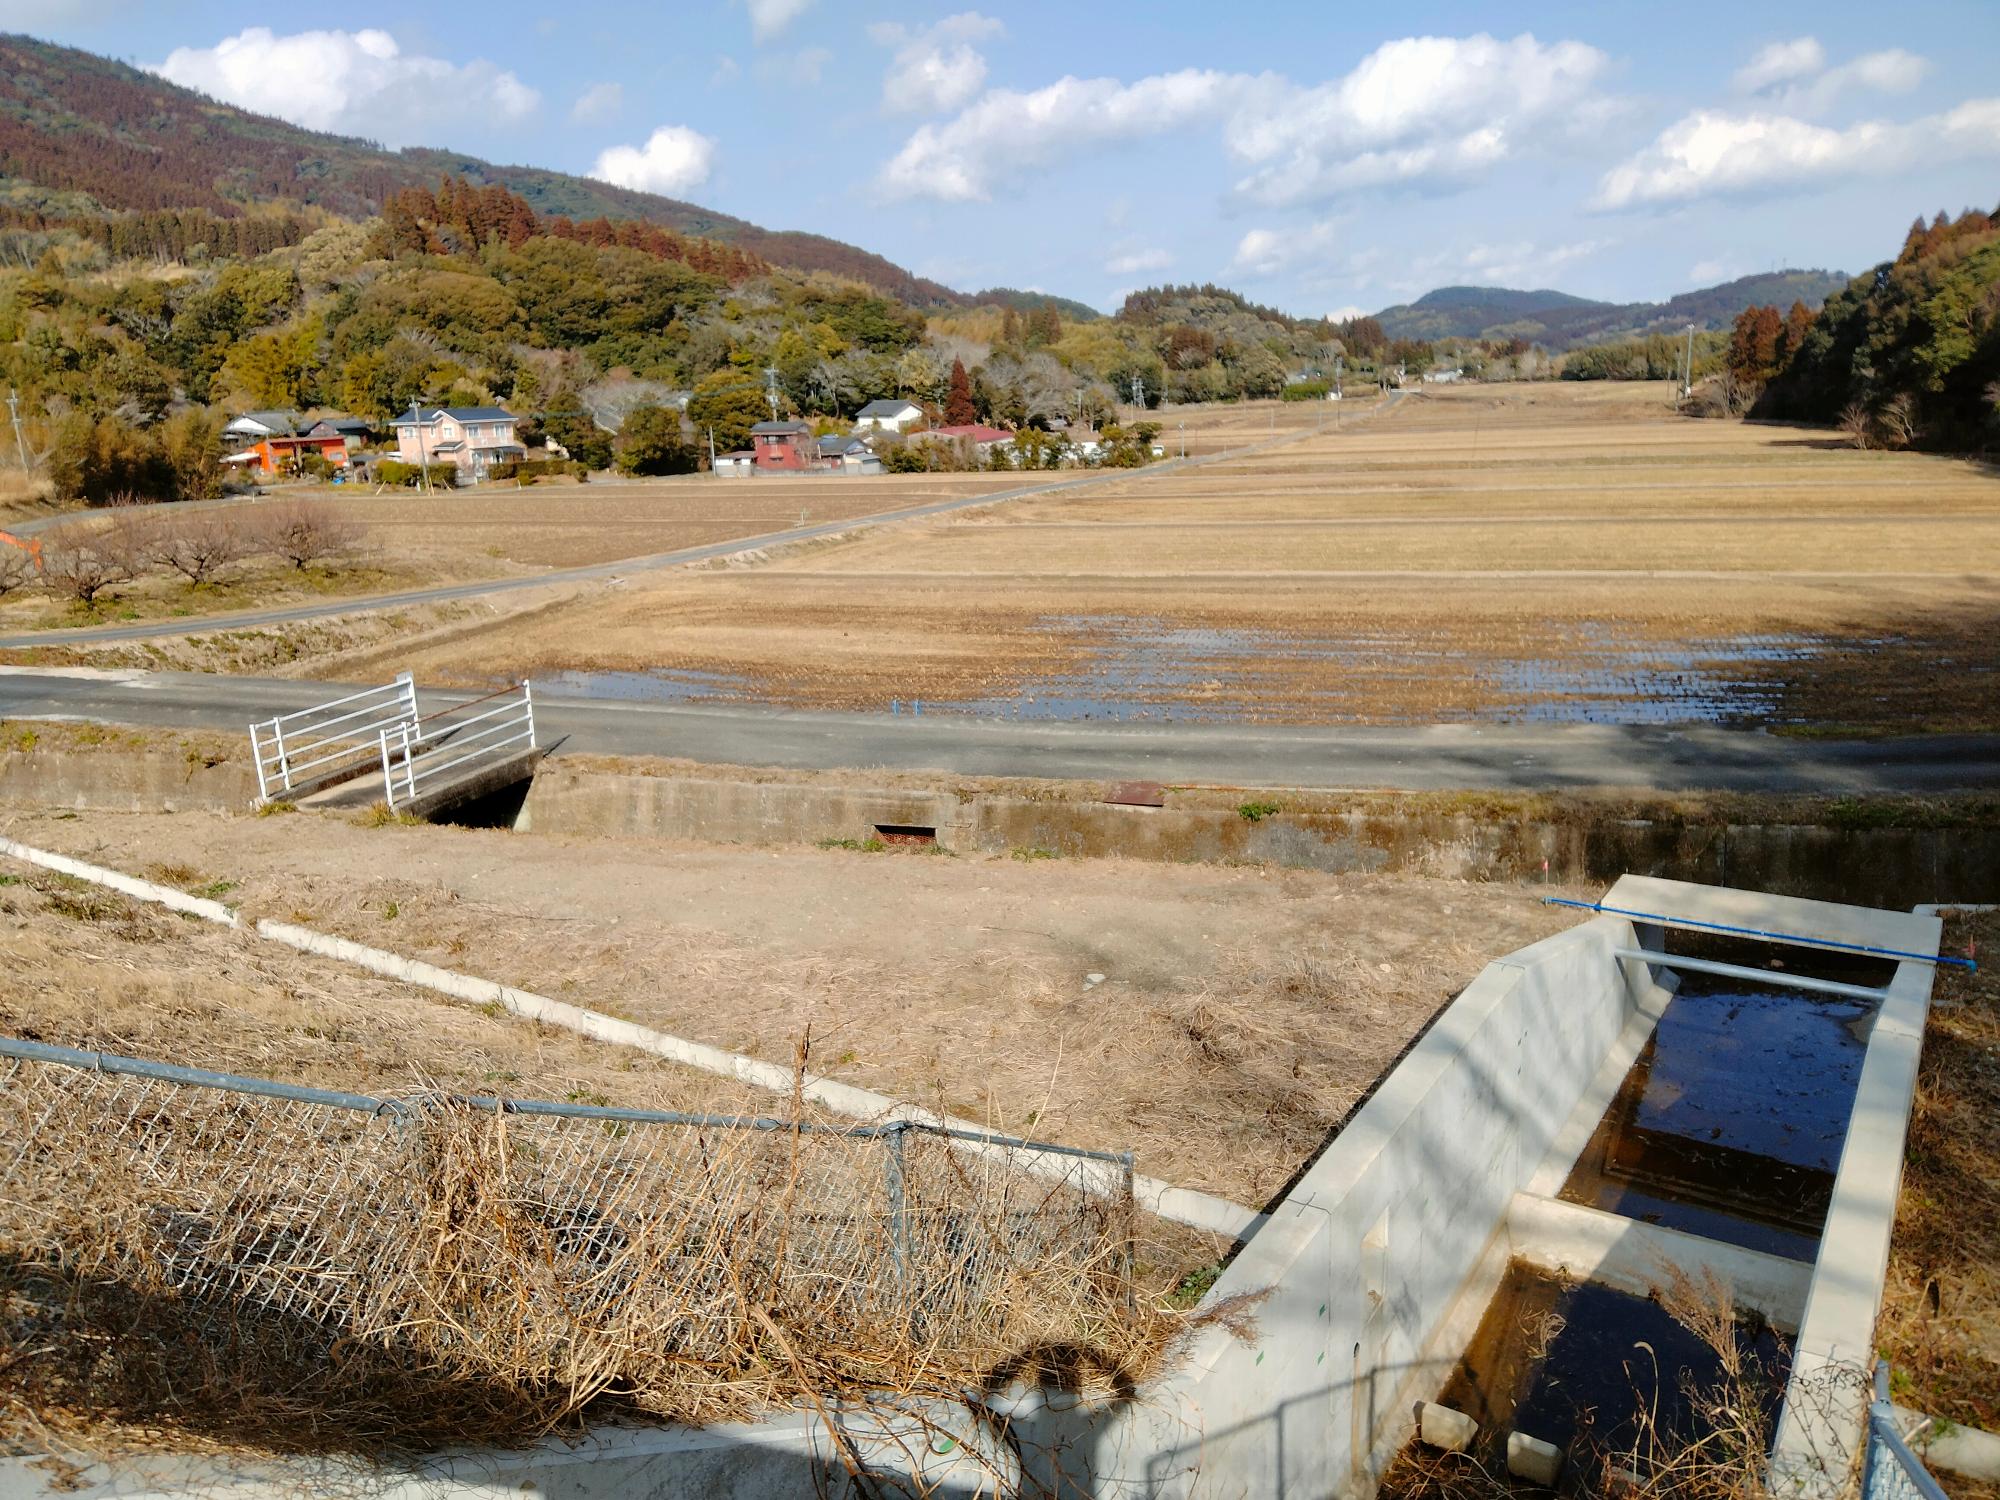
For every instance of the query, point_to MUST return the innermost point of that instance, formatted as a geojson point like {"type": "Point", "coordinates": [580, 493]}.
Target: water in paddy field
{"type": "Point", "coordinates": [1574, 1364]}
{"type": "Point", "coordinates": [1144, 670]}
{"type": "Point", "coordinates": [1731, 1122]}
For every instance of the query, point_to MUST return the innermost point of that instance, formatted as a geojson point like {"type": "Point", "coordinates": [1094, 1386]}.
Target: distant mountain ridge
{"type": "Point", "coordinates": [1558, 321]}
{"type": "Point", "coordinates": [79, 132]}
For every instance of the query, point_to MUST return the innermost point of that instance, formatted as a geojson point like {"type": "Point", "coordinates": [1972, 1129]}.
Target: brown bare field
{"type": "Point", "coordinates": [1522, 552]}
{"type": "Point", "coordinates": [566, 526]}
{"type": "Point", "coordinates": [1271, 999]}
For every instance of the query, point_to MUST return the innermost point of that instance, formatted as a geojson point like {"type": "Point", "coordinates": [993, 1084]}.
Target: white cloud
{"type": "Point", "coordinates": [1711, 272]}
{"type": "Point", "coordinates": [1008, 132]}
{"type": "Point", "coordinates": [598, 103]}
{"type": "Point", "coordinates": [1710, 153]}
{"type": "Point", "coordinates": [361, 82]}
{"type": "Point", "coordinates": [1793, 78]}
{"type": "Point", "coordinates": [1420, 108]}
{"type": "Point", "coordinates": [770, 18]}
{"type": "Point", "coordinates": [937, 67]}
{"type": "Point", "coordinates": [1781, 62]}
{"type": "Point", "coordinates": [1351, 310]}
{"type": "Point", "coordinates": [1265, 252]}
{"type": "Point", "coordinates": [673, 160]}
{"type": "Point", "coordinates": [727, 71]}
{"type": "Point", "coordinates": [1134, 262]}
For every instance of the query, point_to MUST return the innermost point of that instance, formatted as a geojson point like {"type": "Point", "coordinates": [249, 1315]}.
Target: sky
{"type": "Point", "coordinates": [1320, 157]}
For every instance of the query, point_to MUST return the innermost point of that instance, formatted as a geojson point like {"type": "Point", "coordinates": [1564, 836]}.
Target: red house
{"type": "Point", "coordinates": [280, 454]}
{"type": "Point", "coordinates": [783, 446]}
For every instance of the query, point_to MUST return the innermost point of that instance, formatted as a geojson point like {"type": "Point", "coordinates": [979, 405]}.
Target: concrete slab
{"type": "Point", "coordinates": [1809, 923]}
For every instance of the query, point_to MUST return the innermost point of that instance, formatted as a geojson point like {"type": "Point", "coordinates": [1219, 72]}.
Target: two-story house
{"type": "Point", "coordinates": [787, 446]}
{"type": "Point", "coordinates": [470, 438]}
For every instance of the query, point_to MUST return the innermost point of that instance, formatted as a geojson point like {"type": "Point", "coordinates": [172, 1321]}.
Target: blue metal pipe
{"type": "Point", "coordinates": [1776, 937]}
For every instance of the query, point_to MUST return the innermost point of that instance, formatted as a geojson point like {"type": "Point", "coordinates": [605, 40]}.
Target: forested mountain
{"type": "Point", "coordinates": [1021, 301]}
{"type": "Point", "coordinates": [81, 133]}
{"type": "Point", "coordinates": [1558, 321]}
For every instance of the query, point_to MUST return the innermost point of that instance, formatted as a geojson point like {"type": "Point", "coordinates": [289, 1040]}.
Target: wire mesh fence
{"type": "Point", "coordinates": [1890, 1471]}
{"type": "Point", "coordinates": [391, 1273]}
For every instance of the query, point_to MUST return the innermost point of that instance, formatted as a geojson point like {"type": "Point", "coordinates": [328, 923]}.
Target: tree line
{"type": "Point", "coordinates": [1907, 355]}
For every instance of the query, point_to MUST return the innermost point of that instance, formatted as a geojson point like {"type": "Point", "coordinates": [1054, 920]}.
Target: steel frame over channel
{"type": "Point", "coordinates": [300, 749]}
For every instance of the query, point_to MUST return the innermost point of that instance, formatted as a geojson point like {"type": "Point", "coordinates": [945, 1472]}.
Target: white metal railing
{"type": "Point", "coordinates": [419, 755]}
{"type": "Point", "coordinates": [297, 748]}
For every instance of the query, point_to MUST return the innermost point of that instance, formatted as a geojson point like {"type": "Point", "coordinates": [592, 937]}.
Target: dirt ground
{"type": "Point", "coordinates": [1241, 1013]}
{"type": "Point", "coordinates": [1523, 552]}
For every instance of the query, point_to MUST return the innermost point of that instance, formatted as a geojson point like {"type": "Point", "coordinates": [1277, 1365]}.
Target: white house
{"type": "Point", "coordinates": [739, 465]}
{"type": "Point", "coordinates": [253, 425]}
{"type": "Point", "coordinates": [888, 416]}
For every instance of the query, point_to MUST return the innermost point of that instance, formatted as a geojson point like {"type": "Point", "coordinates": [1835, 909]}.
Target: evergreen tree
{"type": "Point", "coordinates": [959, 410]}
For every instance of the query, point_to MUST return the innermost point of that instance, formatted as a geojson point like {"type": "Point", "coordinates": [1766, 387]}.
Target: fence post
{"type": "Point", "coordinates": [899, 1213]}
{"type": "Point", "coordinates": [528, 698]}
{"type": "Point", "coordinates": [284, 770]}
{"type": "Point", "coordinates": [257, 759]}
{"type": "Point", "coordinates": [388, 774]}
{"type": "Point", "coordinates": [1131, 1207]}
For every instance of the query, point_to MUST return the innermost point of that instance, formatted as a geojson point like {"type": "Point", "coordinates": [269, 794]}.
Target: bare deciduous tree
{"type": "Point", "coordinates": [17, 568]}
{"type": "Point", "coordinates": [197, 544]}
{"type": "Point", "coordinates": [1899, 419]}
{"type": "Point", "coordinates": [80, 560]}
{"type": "Point", "coordinates": [306, 531]}
{"type": "Point", "coordinates": [1859, 425]}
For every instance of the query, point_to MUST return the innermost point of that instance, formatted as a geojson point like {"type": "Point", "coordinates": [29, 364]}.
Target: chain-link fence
{"type": "Point", "coordinates": [1890, 1471]}
{"type": "Point", "coordinates": [443, 1268]}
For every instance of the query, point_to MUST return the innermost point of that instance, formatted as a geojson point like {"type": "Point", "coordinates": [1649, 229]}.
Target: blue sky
{"type": "Point", "coordinates": [1319, 157]}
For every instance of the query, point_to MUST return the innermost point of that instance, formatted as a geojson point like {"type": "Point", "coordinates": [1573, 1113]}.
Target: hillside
{"type": "Point", "coordinates": [1558, 321]}
{"type": "Point", "coordinates": [1020, 301]}
{"type": "Point", "coordinates": [80, 132]}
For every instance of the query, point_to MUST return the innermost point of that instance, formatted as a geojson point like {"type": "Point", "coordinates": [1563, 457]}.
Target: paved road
{"type": "Point", "coordinates": [1505, 757]}
{"type": "Point", "coordinates": [251, 619]}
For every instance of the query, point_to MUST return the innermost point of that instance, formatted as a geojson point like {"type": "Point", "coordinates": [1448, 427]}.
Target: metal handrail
{"type": "Point", "coordinates": [1883, 1431]}
{"type": "Point", "coordinates": [235, 1083]}
{"type": "Point", "coordinates": [289, 747]}
{"type": "Point", "coordinates": [405, 766]}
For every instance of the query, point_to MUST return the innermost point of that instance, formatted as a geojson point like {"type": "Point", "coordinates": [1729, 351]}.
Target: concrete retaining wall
{"type": "Point", "coordinates": [1864, 866]}
{"type": "Point", "coordinates": [1373, 1264]}
{"type": "Point", "coordinates": [122, 778]}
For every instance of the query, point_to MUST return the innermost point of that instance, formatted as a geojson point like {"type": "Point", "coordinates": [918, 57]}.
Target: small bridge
{"type": "Point", "coordinates": [375, 746]}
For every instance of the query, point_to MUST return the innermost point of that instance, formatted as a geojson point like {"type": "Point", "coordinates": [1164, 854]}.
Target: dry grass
{"type": "Point", "coordinates": [435, 1286]}
{"type": "Point", "coordinates": [1271, 998]}
{"type": "Point", "coordinates": [1940, 1324]}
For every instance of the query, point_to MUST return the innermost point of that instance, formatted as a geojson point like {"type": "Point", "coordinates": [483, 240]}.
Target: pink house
{"type": "Point", "coordinates": [471, 439]}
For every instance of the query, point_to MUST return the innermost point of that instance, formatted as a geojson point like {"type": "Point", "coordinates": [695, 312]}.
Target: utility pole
{"type": "Point", "coordinates": [1687, 377]}
{"type": "Point", "coordinates": [423, 458]}
{"type": "Point", "coordinates": [1183, 442]}
{"type": "Point", "coordinates": [20, 443]}
{"type": "Point", "coordinates": [1138, 392]}
{"type": "Point", "coordinates": [711, 450]}
{"type": "Point", "coordinates": [771, 389]}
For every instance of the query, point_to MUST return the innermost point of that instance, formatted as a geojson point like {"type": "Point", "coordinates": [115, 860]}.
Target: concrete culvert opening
{"type": "Point", "coordinates": [905, 833]}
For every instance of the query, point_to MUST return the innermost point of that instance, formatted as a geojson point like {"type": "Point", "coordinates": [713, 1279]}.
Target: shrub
{"type": "Point", "coordinates": [397, 474]}
{"type": "Point", "coordinates": [529, 470]}
{"type": "Point", "coordinates": [1307, 390]}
